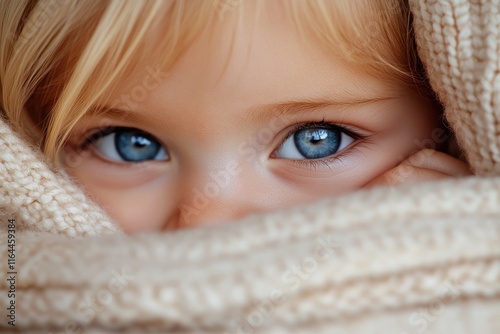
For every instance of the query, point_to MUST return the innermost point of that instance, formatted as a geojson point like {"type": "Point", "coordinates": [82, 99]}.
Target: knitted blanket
{"type": "Point", "coordinates": [409, 259]}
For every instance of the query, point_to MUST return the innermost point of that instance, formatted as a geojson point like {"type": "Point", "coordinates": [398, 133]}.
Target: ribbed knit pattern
{"type": "Point", "coordinates": [459, 42]}
{"type": "Point", "coordinates": [41, 199]}
{"type": "Point", "coordinates": [411, 259]}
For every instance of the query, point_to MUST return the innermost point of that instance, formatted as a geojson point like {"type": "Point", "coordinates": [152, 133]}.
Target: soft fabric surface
{"type": "Point", "coordinates": [412, 259]}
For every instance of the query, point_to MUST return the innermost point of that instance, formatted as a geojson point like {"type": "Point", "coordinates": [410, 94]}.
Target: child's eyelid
{"type": "Point", "coordinates": [90, 136]}
{"type": "Point", "coordinates": [78, 138]}
{"type": "Point", "coordinates": [313, 164]}
{"type": "Point", "coordinates": [351, 131]}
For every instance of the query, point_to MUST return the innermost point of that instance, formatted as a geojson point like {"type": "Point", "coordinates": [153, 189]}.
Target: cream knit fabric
{"type": "Point", "coordinates": [403, 260]}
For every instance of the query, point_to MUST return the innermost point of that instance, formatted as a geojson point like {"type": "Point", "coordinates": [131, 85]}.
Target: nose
{"type": "Point", "coordinates": [212, 213]}
{"type": "Point", "coordinates": [219, 196]}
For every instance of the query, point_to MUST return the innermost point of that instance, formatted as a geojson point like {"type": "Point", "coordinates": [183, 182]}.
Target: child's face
{"type": "Point", "coordinates": [280, 124]}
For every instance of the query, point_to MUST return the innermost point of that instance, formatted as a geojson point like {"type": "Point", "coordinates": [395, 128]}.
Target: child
{"type": "Point", "coordinates": [207, 111]}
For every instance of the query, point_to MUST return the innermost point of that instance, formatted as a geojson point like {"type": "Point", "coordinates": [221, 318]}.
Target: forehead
{"type": "Point", "coordinates": [256, 57]}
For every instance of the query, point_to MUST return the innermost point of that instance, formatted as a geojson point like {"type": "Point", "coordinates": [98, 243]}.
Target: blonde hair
{"type": "Point", "coordinates": [57, 57]}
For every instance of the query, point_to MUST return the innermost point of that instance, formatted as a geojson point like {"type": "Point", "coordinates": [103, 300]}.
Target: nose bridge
{"type": "Point", "coordinates": [213, 195]}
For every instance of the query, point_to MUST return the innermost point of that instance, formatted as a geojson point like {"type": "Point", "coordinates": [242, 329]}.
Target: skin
{"type": "Point", "coordinates": [215, 117]}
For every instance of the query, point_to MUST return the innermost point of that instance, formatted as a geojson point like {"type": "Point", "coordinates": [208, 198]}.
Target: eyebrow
{"type": "Point", "coordinates": [259, 113]}
{"type": "Point", "coordinates": [120, 114]}
{"type": "Point", "coordinates": [265, 112]}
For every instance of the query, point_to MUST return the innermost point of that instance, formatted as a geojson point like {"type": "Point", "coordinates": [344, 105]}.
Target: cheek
{"type": "Point", "coordinates": [141, 210]}
{"type": "Point", "coordinates": [130, 202]}
{"type": "Point", "coordinates": [351, 171]}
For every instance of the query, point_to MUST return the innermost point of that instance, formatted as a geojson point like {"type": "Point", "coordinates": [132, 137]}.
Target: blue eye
{"type": "Point", "coordinates": [128, 144]}
{"type": "Point", "coordinates": [314, 142]}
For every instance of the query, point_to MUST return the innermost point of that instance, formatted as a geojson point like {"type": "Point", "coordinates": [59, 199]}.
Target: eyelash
{"type": "Point", "coordinates": [327, 161]}
{"type": "Point", "coordinates": [97, 134]}
{"type": "Point", "coordinates": [92, 135]}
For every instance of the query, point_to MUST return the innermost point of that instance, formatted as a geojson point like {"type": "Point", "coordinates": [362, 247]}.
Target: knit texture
{"type": "Point", "coordinates": [410, 259]}
{"type": "Point", "coordinates": [460, 44]}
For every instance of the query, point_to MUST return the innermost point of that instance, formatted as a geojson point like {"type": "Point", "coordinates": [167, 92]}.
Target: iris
{"type": "Point", "coordinates": [315, 143]}
{"type": "Point", "coordinates": [136, 146]}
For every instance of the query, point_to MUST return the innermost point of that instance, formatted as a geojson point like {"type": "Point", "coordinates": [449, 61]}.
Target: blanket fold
{"type": "Point", "coordinates": [332, 276]}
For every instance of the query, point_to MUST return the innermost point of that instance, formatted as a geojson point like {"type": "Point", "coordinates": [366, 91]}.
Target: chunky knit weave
{"type": "Point", "coordinates": [460, 45]}
{"type": "Point", "coordinates": [403, 260]}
